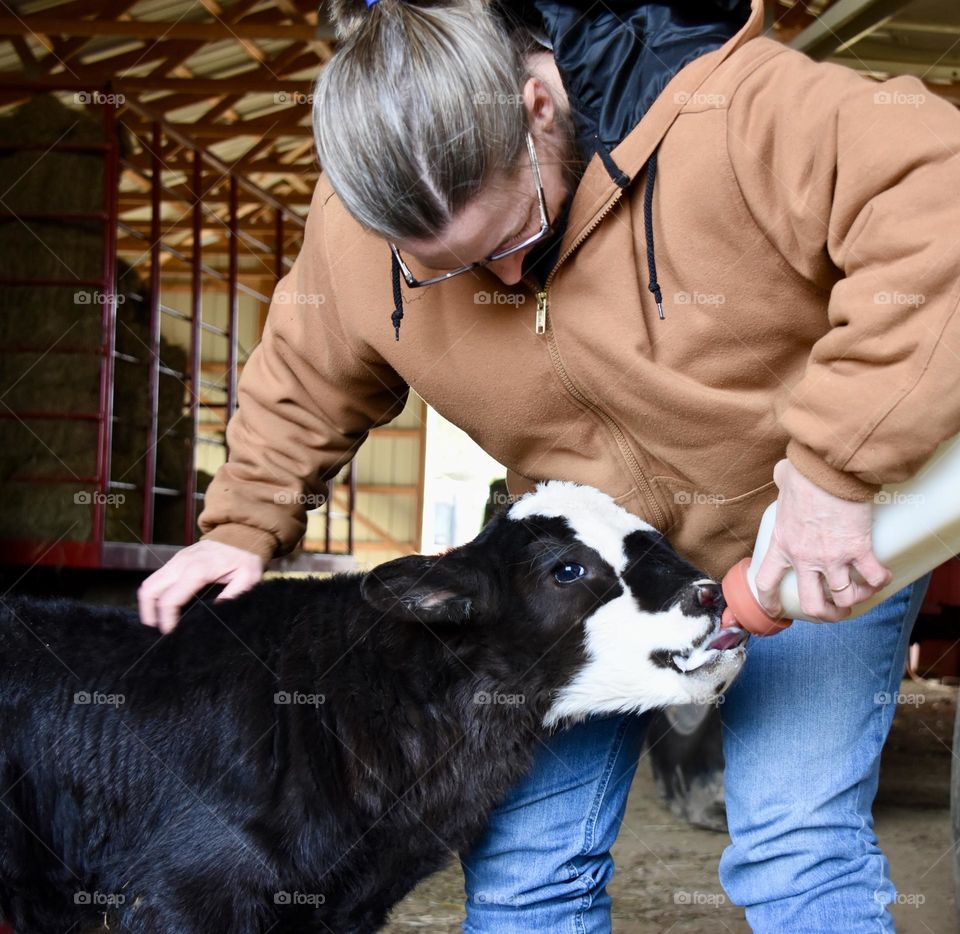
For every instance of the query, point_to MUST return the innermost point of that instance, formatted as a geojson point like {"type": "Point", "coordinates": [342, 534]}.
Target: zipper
{"type": "Point", "coordinates": [540, 324]}
{"type": "Point", "coordinates": [543, 327]}
{"type": "Point", "coordinates": [541, 320]}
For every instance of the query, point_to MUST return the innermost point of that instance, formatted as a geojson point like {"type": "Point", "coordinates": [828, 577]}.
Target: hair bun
{"type": "Point", "coordinates": [350, 16]}
{"type": "Point", "coordinates": [347, 16]}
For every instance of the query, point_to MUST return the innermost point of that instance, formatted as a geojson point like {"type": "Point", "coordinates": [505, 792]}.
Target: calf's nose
{"type": "Point", "coordinates": [708, 594]}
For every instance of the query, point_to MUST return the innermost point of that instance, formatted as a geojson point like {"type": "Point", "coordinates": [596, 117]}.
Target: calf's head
{"type": "Point", "coordinates": [611, 618]}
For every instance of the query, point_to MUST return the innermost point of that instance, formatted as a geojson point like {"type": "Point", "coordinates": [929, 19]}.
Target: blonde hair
{"type": "Point", "coordinates": [419, 108]}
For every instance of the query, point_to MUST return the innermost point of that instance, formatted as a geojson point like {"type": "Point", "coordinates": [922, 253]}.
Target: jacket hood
{"type": "Point", "coordinates": [616, 58]}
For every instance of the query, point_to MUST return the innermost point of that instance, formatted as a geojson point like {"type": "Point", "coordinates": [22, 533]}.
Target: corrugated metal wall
{"type": "Point", "coordinates": [389, 492]}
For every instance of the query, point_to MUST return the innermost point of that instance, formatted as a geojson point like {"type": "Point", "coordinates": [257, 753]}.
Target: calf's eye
{"type": "Point", "coordinates": [568, 573]}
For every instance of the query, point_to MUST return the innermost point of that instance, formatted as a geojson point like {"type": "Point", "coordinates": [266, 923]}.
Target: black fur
{"type": "Point", "coordinates": [202, 803]}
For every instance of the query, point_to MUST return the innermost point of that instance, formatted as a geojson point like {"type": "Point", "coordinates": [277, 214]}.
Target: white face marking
{"type": "Point", "coordinates": [594, 517]}
{"type": "Point", "coordinates": [619, 675]}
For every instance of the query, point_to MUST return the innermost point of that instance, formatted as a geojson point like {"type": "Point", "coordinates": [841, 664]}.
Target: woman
{"type": "Point", "coordinates": [705, 238]}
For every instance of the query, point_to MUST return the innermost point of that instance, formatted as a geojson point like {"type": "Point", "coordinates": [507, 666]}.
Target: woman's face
{"type": "Point", "coordinates": [507, 210]}
{"type": "Point", "coordinates": [503, 214]}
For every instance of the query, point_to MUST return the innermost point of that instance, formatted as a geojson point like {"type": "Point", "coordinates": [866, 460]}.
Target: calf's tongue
{"type": "Point", "coordinates": [728, 638]}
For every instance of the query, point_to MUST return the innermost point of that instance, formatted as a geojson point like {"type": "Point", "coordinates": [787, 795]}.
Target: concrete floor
{"type": "Point", "coordinates": [666, 878]}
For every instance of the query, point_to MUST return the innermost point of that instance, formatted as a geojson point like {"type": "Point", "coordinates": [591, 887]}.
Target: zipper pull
{"type": "Point", "coordinates": [541, 321]}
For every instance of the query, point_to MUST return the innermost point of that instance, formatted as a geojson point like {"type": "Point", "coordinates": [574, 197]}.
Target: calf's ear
{"type": "Point", "coordinates": [437, 589]}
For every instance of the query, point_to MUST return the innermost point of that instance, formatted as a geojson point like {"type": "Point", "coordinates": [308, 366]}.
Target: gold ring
{"type": "Point", "coordinates": [838, 589]}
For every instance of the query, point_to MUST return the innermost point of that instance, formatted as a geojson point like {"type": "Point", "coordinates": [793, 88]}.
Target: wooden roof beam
{"type": "Point", "coordinates": [63, 50]}
{"type": "Point", "coordinates": [260, 80]}
{"type": "Point", "coordinates": [298, 183]}
{"type": "Point", "coordinates": [166, 103]}
{"type": "Point", "coordinates": [222, 131]}
{"type": "Point", "coordinates": [139, 29]}
{"type": "Point", "coordinates": [201, 87]}
{"type": "Point", "coordinates": [187, 48]}
{"type": "Point", "coordinates": [274, 69]}
{"type": "Point", "coordinates": [323, 46]}
{"type": "Point", "coordinates": [221, 108]}
{"type": "Point", "coordinates": [268, 79]}
{"type": "Point", "coordinates": [310, 59]}
{"type": "Point", "coordinates": [130, 200]}
{"type": "Point", "coordinates": [294, 155]}
{"type": "Point", "coordinates": [262, 230]}
{"type": "Point", "coordinates": [293, 11]}
{"type": "Point", "coordinates": [266, 166]}
{"type": "Point", "coordinates": [258, 147]}
{"type": "Point", "coordinates": [25, 54]}
{"type": "Point", "coordinates": [83, 9]}
{"type": "Point", "coordinates": [176, 53]}
{"type": "Point", "coordinates": [254, 51]}
{"type": "Point", "coordinates": [844, 25]}
{"type": "Point", "coordinates": [135, 112]}
{"type": "Point", "coordinates": [106, 69]}
{"type": "Point", "coordinates": [248, 128]}
{"type": "Point", "coordinates": [286, 61]}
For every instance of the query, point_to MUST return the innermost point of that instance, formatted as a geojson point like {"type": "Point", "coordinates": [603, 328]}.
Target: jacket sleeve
{"type": "Point", "coordinates": [306, 400]}
{"type": "Point", "coordinates": [857, 182]}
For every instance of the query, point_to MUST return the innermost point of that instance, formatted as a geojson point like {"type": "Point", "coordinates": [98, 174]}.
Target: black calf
{"type": "Point", "coordinates": [296, 759]}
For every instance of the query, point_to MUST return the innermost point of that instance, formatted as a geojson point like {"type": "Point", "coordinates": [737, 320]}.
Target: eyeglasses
{"type": "Point", "coordinates": [544, 231]}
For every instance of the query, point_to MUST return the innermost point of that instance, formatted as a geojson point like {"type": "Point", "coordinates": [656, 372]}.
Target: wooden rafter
{"type": "Point", "coordinates": [183, 164]}
{"type": "Point", "coordinates": [24, 53]}
{"type": "Point", "coordinates": [248, 45]}
{"type": "Point", "coordinates": [201, 87]}
{"type": "Point", "coordinates": [267, 79]}
{"type": "Point", "coordinates": [262, 126]}
{"type": "Point", "coordinates": [255, 150]}
{"type": "Point", "coordinates": [141, 29]}
{"type": "Point", "coordinates": [224, 106]}
{"type": "Point", "coordinates": [178, 52]}
{"type": "Point", "coordinates": [131, 200]}
{"type": "Point", "coordinates": [279, 143]}
{"type": "Point", "coordinates": [174, 55]}
{"type": "Point", "coordinates": [62, 51]}
{"type": "Point", "coordinates": [278, 150]}
{"type": "Point", "coordinates": [84, 8]}
{"type": "Point", "coordinates": [76, 45]}
{"type": "Point", "coordinates": [261, 230]}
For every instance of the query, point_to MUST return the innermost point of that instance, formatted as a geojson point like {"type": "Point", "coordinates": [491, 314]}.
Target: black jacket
{"type": "Point", "coordinates": [616, 57]}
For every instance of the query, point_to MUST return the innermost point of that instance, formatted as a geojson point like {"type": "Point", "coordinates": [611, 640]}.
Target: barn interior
{"type": "Point", "coordinates": [156, 168]}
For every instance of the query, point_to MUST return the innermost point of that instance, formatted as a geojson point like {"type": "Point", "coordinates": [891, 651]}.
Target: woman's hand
{"type": "Point", "coordinates": [827, 542]}
{"type": "Point", "coordinates": [162, 595]}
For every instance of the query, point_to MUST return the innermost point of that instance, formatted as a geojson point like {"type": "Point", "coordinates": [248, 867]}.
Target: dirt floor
{"type": "Point", "coordinates": [666, 879]}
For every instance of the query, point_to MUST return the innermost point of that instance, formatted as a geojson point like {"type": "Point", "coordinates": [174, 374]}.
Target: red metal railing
{"type": "Point", "coordinates": [108, 323]}
{"type": "Point", "coordinates": [98, 551]}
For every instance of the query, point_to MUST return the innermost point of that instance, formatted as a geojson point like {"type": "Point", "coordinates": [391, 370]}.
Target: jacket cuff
{"type": "Point", "coordinates": [261, 543]}
{"type": "Point", "coordinates": [838, 482]}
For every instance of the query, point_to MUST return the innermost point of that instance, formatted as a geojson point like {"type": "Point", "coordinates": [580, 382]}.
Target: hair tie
{"type": "Point", "coordinates": [370, 3]}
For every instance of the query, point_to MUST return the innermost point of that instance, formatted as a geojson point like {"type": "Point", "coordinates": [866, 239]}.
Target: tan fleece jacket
{"type": "Point", "coordinates": [807, 240]}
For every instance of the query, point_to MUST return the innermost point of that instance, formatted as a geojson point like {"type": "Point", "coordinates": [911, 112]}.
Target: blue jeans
{"type": "Point", "coordinates": [804, 726]}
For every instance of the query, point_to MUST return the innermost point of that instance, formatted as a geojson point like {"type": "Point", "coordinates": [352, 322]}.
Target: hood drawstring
{"type": "Point", "coordinates": [654, 286]}
{"type": "Point", "coordinates": [623, 181]}
{"type": "Point", "coordinates": [397, 315]}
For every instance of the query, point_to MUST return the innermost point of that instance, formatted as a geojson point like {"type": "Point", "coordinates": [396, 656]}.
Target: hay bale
{"type": "Point", "coordinates": [50, 340]}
